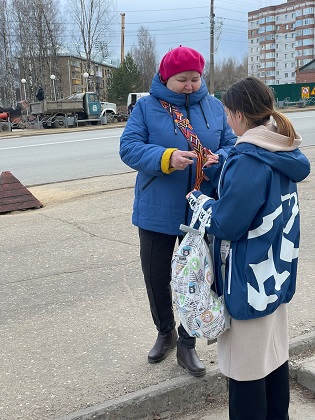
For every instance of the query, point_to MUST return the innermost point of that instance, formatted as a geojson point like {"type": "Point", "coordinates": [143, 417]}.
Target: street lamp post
{"type": "Point", "coordinates": [86, 76]}
{"type": "Point", "coordinates": [53, 78]}
{"type": "Point", "coordinates": [23, 81]}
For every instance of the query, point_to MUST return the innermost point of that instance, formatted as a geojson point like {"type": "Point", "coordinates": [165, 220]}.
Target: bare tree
{"type": "Point", "coordinates": [37, 42]}
{"type": "Point", "coordinates": [227, 72]}
{"type": "Point", "coordinates": [92, 18]}
{"type": "Point", "coordinates": [145, 58]}
{"type": "Point", "coordinates": [7, 68]}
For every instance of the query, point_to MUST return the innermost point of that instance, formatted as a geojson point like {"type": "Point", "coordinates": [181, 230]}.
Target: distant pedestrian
{"type": "Point", "coordinates": [130, 107]}
{"type": "Point", "coordinates": [257, 212]}
{"type": "Point", "coordinates": [40, 95]}
{"type": "Point", "coordinates": [168, 167]}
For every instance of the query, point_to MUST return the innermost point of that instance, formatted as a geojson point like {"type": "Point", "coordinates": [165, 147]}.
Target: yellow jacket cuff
{"type": "Point", "coordinates": [166, 160]}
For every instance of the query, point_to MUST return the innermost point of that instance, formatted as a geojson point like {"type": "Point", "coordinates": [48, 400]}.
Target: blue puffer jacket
{"type": "Point", "coordinates": [160, 199]}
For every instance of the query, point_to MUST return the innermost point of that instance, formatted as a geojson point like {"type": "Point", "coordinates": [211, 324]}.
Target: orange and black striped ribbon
{"type": "Point", "coordinates": [186, 128]}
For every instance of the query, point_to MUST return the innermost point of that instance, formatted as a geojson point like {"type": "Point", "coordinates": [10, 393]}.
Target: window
{"type": "Point", "coordinates": [299, 23]}
{"type": "Point", "coordinates": [308, 41]}
{"type": "Point", "coordinates": [261, 21]}
{"type": "Point", "coordinates": [270, 18]}
{"type": "Point", "coordinates": [285, 55]}
{"type": "Point", "coordinates": [308, 51]}
{"type": "Point", "coordinates": [308, 31]}
{"type": "Point", "coordinates": [293, 74]}
{"type": "Point", "coordinates": [286, 65]}
{"type": "Point", "coordinates": [309, 21]}
{"type": "Point", "coordinates": [286, 75]}
{"type": "Point", "coordinates": [308, 11]}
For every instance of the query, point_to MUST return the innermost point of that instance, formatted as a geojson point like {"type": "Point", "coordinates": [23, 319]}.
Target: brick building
{"type": "Point", "coordinates": [306, 74]}
{"type": "Point", "coordinates": [281, 40]}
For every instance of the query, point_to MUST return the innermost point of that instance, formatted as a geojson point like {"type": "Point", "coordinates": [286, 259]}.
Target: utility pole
{"type": "Point", "coordinates": [211, 75]}
{"type": "Point", "coordinates": [122, 51]}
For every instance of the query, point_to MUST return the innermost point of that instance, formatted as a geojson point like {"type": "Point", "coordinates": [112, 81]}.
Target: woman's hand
{"type": "Point", "coordinates": [211, 157]}
{"type": "Point", "coordinates": [180, 159]}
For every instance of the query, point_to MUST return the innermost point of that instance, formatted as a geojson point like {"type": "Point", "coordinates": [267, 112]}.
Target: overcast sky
{"type": "Point", "coordinates": [187, 25]}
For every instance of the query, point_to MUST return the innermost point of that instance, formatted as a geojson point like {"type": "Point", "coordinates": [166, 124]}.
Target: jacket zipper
{"type": "Point", "coordinates": [189, 166]}
{"type": "Point", "coordinates": [230, 272]}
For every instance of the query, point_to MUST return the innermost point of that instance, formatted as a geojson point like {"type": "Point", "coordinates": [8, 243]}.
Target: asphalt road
{"type": "Point", "coordinates": [61, 156]}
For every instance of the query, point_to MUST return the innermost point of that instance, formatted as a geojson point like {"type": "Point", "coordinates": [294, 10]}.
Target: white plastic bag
{"type": "Point", "coordinates": [201, 311]}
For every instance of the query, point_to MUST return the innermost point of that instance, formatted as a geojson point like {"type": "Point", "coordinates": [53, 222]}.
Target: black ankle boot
{"type": "Point", "coordinates": [189, 360]}
{"type": "Point", "coordinates": [165, 342]}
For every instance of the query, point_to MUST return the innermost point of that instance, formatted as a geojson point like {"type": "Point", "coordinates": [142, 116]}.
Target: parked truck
{"type": "Point", "coordinates": [76, 109]}
{"type": "Point", "coordinates": [134, 96]}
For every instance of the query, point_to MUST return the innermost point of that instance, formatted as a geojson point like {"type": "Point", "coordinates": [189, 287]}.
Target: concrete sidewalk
{"type": "Point", "coordinates": [75, 324]}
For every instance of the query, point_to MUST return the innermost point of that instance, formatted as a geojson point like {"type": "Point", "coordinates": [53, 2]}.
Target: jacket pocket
{"type": "Point", "coordinates": [148, 183]}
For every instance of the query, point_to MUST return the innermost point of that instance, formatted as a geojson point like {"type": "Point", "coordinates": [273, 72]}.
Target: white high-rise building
{"type": "Point", "coordinates": [280, 40]}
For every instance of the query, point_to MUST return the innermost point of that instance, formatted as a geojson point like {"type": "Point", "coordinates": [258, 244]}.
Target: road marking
{"type": "Point", "coordinates": [56, 142]}
{"type": "Point", "coordinates": [305, 116]}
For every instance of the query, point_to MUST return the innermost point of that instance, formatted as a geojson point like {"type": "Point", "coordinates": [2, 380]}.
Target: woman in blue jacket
{"type": "Point", "coordinates": [154, 143]}
{"type": "Point", "coordinates": [258, 213]}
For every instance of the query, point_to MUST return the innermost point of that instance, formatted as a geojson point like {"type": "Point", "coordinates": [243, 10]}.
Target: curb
{"type": "Point", "coordinates": [43, 131]}
{"type": "Point", "coordinates": [180, 393]}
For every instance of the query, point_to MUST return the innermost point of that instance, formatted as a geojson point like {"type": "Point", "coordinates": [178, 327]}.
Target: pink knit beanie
{"type": "Point", "coordinates": [181, 59]}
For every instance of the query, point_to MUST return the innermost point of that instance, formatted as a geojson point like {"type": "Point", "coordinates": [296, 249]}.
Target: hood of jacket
{"type": "Point", "coordinates": [160, 91]}
{"type": "Point", "coordinates": [272, 148]}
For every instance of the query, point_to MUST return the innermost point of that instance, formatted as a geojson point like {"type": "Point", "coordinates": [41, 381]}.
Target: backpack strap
{"type": "Point", "coordinates": [187, 130]}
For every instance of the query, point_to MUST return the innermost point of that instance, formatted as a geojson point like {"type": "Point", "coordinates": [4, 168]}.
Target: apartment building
{"type": "Point", "coordinates": [74, 77]}
{"type": "Point", "coordinates": [281, 40]}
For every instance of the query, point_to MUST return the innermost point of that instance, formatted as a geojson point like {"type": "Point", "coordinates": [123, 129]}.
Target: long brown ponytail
{"type": "Point", "coordinates": [255, 100]}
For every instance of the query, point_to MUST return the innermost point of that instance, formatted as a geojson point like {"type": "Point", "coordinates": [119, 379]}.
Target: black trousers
{"type": "Point", "coordinates": [156, 251]}
{"type": "Point", "coordinates": [264, 399]}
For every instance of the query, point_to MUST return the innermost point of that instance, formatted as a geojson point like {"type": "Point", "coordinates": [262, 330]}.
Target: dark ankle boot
{"type": "Point", "coordinates": [165, 342]}
{"type": "Point", "coordinates": [189, 360]}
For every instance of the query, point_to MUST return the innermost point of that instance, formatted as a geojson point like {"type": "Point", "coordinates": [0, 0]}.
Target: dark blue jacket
{"type": "Point", "coordinates": [258, 212]}
{"type": "Point", "coordinates": [160, 199]}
